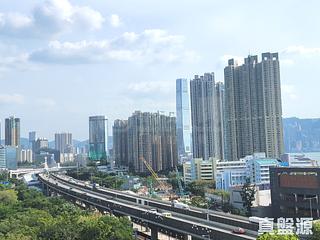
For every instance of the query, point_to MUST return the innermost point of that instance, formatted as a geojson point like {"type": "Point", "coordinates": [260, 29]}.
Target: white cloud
{"type": "Point", "coordinates": [289, 92]}
{"type": "Point", "coordinates": [46, 102]}
{"type": "Point", "coordinates": [152, 45]}
{"type": "Point", "coordinates": [14, 20]}
{"type": "Point", "coordinates": [12, 58]}
{"type": "Point", "coordinates": [302, 50]}
{"type": "Point", "coordinates": [115, 20]}
{"type": "Point", "coordinates": [287, 62]}
{"type": "Point", "coordinates": [50, 17]}
{"type": "Point", "coordinates": [17, 62]}
{"type": "Point", "coordinates": [150, 87]}
{"type": "Point", "coordinates": [11, 99]}
{"type": "Point", "coordinates": [224, 59]}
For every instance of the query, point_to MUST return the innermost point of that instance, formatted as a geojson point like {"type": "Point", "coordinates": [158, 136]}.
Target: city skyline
{"type": "Point", "coordinates": [73, 54]}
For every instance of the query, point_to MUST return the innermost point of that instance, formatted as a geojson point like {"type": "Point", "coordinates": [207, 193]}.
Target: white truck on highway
{"type": "Point", "coordinates": [180, 205]}
{"type": "Point", "coordinates": [257, 220]}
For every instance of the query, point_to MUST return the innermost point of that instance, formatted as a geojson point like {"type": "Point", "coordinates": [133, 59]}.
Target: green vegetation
{"type": "Point", "coordinates": [27, 214]}
{"type": "Point", "coordinates": [316, 231]}
{"type": "Point", "coordinates": [172, 179]}
{"type": "Point", "coordinates": [199, 188]}
{"type": "Point", "coordinates": [247, 195]}
{"type": "Point", "coordinates": [103, 179]}
{"type": "Point", "coordinates": [275, 236]}
{"type": "Point", "coordinates": [200, 202]}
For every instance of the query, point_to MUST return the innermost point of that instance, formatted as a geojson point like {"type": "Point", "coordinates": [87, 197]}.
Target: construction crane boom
{"type": "Point", "coordinates": [153, 173]}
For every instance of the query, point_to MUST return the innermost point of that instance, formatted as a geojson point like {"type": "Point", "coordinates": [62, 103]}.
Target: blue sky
{"type": "Point", "coordinates": [61, 61]}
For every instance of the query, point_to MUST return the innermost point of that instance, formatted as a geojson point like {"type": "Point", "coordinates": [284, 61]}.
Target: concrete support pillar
{"type": "Point", "coordinates": [195, 238]}
{"type": "Point", "coordinates": [186, 237]}
{"type": "Point", "coordinates": [154, 233]}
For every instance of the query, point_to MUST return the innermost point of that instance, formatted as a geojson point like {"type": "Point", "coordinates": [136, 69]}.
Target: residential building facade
{"type": "Point", "coordinates": [120, 142]}
{"type": "Point", "coordinates": [151, 138]}
{"type": "Point", "coordinates": [253, 107]}
{"type": "Point", "coordinates": [220, 121]}
{"type": "Point", "coordinates": [12, 131]}
{"type": "Point", "coordinates": [3, 162]}
{"type": "Point", "coordinates": [63, 142]}
{"type": "Point", "coordinates": [202, 92]}
{"type": "Point", "coordinates": [26, 155]}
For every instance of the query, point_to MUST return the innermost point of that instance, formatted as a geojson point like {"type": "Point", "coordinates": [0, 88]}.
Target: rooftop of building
{"type": "Point", "coordinates": [266, 161]}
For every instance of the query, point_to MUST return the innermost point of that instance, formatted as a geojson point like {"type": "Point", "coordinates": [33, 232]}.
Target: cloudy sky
{"type": "Point", "coordinates": [63, 60]}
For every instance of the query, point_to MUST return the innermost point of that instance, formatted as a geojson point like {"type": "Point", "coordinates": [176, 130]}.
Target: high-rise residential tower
{"type": "Point", "coordinates": [12, 131]}
{"type": "Point", "coordinates": [3, 163]}
{"type": "Point", "coordinates": [40, 144]}
{"type": "Point", "coordinates": [98, 137]}
{"type": "Point", "coordinates": [203, 116]}
{"type": "Point", "coordinates": [63, 142]}
{"type": "Point", "coordinates": [183, 117]}
{"type": "Point", "coordinates": [32, 142]}
{"type": "Point", "coordinates": [220, 119]}
{"type": "Point", "coordinates": [32, 138]}
{"type": "Point", "coordinates": [120, 142]}
{"type": "Point", "coordinates": [152, 138]}
{"type": "Point", "coordinates": [253, 107]}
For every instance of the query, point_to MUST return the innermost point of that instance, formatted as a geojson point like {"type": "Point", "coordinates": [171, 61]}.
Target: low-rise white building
{"type": "Point", "coordinates": [234, 173]}
{"type": "Point", "coordinates": [198, 169]}
{"type": "Point", "coordinates": [230, 173]}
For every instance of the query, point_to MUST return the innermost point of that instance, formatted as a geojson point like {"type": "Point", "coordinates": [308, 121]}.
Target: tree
{"type": "Point", "coordinates": [199, 202]}
{"type": "Point", "coordinates": [8, 197]}
{"type": "Point", "coordinates": [172, 179]}
{"type": "Point", "coordinates": [4, 175]}
{"type": "Point", "coordinates": [199, 187]}
{"type": "Point", "coordinates": [225, 196]}
{"type": "Point", "coordinates": [27, 214]}
{"type": "Point", "coordinates": [248, 196]}
{"type": "Point", "coordinates": [15, 236]}
{"type": "Point", "coordinates": [316, 231]}
{"type": "Point", "coordinates": [275, 236]}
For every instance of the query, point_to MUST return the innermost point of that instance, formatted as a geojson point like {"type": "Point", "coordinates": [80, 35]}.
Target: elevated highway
{"type": "Point", "coordinates": [196, 223]}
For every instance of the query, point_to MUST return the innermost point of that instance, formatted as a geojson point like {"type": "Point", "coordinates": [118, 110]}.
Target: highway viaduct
{"type": "Point", "coordinates": [184, 224]}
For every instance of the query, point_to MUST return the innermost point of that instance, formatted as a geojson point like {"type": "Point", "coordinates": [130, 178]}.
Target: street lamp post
{"type": "Point", "coordinates": [310, 201]}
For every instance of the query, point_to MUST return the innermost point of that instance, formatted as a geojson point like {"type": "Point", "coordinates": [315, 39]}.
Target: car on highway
{"type": "Point", "coordinates": [239, 230]}
{"type": "Point", "coordinates": [167, 214]}
{"type": "Point", "coordinates": [257, 220]}
{"type": "Point", "coordinates": [153, 210]}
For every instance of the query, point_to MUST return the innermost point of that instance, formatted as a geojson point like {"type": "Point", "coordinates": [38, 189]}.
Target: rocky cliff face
{"type": "Point", "coordinates": [301, 135]}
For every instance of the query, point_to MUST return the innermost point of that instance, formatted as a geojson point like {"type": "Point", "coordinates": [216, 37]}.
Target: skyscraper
{"type": "Point", "coordinates": [152, 137]}
{"type": "Point", "coordinates": [120, 142]}
{"type": "Point", "coordinates": [203, 116]}
{"type": "Point", "coordinates": [63, 142]}
{"type": "Point", "coordinates": [32, 138]}
{"type": "Point", "coordinates": [3, 162]}
{"type": "Point", "coordinates": [98, 136]}
{"type": "Point", "coordinates": [12, 157]}
{"type": "Point", "coordinates": [41, 143]}
{"type": "Point", "coordinates": [12, 131]}
{"type": "Point", "coordinates": [220, 119]}
{"type": "Point", "coordinates": [253, 107]}
{"type": "Point", "coordinates": [183, 117]}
